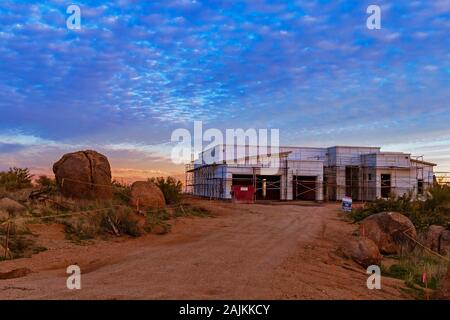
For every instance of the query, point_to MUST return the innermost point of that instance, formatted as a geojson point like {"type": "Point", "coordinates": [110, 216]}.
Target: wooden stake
{"type": "Point", "coordinates": [7, 240]}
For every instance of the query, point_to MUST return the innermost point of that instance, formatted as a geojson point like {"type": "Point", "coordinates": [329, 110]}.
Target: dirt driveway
{"type": "Point", "coordinates": [260, 251]}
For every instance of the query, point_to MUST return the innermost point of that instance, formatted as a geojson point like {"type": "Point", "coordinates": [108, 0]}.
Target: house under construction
{"type": "Point", "coordinates": [305, 173]}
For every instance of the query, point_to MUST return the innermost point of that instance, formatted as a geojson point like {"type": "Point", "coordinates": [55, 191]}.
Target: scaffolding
{"type": "Point", "coordinates": [204, 180]}
{"type": "Point", "coordinates": [346, 175]}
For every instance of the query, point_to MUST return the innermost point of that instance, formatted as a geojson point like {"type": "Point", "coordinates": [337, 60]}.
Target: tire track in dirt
{"type": "Point", "coordinates": [245, 252]}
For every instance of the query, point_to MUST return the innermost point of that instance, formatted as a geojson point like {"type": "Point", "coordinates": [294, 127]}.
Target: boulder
{"type": "Point", "coordinates": [433, 237]}
{"type": "Point", "coordinates": [362, 250]}
{"type": "Point", "coordinates": [387, 230]}
{"type": "Point", "coordinates": [84, 175]}
{"type": "Point", "coordinates": [147, 195]}
{"type": "Point", "coordinates": [444, 243]}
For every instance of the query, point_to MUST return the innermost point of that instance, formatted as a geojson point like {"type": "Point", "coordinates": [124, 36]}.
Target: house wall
{"type": "Point", "coordinates": [348, 156]}
{"type": "Point", "coordinates": [327, 165]}
{"type": "Point", "coordinates": [401, 181]}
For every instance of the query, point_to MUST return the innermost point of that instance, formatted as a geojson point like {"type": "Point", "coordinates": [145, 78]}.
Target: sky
{"type": "Point", "coordinates": [137, 70]}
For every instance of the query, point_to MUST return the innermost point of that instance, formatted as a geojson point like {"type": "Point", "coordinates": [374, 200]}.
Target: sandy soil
{"type": "Point", "coordinates": [260, 251]}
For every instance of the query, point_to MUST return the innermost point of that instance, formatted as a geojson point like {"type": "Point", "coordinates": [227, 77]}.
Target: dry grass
{"type": "Point", "coordinates": [410, 267]}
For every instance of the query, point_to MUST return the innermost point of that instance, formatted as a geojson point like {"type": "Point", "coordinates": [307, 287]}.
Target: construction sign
{"type": "Point", "coordinates": [347, 204]}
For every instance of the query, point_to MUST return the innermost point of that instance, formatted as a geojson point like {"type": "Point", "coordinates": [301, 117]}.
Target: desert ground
{"type": "Point", "coordinates": [244, 251]}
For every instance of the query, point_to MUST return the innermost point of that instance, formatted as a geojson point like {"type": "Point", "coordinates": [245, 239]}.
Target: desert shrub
{"type": "Point", "coordinates": [20, 245]}
{"type": "Point", "coordinates": [15, 178]}
{"type": "Point", "coordinates": [46, 182]}
{"type": "Point", "coordinates": [81, 228]}
{"type": "Point", "coordinates": [186, 210]}
{"type": "Point", "coordinates": [121, 192]}
{"type": "Point", "coordinates": [438, 198]}
{"type": "Point", "coordinates": [115, 221]}
{"type": "Point", "coordinates": [434, 210]}
{"type": "Point", "coordinates": [170, 187]}
{"type": "Point", "coordinates": [123, 219]}
{"type": "Point", "coordinates": [157, 221]}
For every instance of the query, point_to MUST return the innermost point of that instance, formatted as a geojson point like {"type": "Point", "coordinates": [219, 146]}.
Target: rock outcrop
{"type": "Point", "coordinates": [146, 195]}
{"type": "Point", "coordinates": [444, 243]}
{"type": "Point", "coordinates": [84, 175]}
{"type": "Point", "coordinates": [387, 230]}
{"type": "Point", "coordinates": [433, 237]}
{"type": "Point", "coordinates": [362, 250]}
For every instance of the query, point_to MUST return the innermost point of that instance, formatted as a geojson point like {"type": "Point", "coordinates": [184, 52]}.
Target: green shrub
{"type": "Point", "coordinates": [123, 220]}
{"type": "Point", "coordinates": [81, 228]}
{"type": "Point", "coordinates": [157, 221]}
{"type": "Point", "coordinates": [121, 192]}
{"type": "Point", "coordinates": [45, 182]}
{"type": "Point", "coordinates": [15, 178]}
{"type": "Point", "coordinates": [20, 244]}
{"type": "Point", "coordinates": [115, 221]}
{"type": "Point", "coordinates": [170, 187]}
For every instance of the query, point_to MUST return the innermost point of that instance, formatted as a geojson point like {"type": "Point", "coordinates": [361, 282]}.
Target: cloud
{"type": "Point", "coordinates": [135, 71]}
{"type": "Point", "coordinates": [8, 147]}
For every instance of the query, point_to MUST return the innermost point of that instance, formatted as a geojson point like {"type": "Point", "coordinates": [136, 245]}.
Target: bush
{"type": "Point", "coordinates": [21, 243]}
{"type": "Point", "coordinates": [170, 187]}
{"type": "Point", "coordinates": [157, 221]}
{"type": "Point", "coordinates": [121, 192]}
{"type": "Point", "coordinates": [47, 183]}
{"type": "Point", "coordinates": [15, 178]}
{"type": "Point", "coordinates": [82, 228]}
{"type": "Point", "coordinates": [123, 220]}
{"type": "Point", "coordinates": [115, 221]}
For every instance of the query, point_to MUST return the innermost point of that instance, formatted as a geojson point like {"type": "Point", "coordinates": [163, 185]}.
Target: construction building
{"type": "Point", "coordinates": [305, 173]}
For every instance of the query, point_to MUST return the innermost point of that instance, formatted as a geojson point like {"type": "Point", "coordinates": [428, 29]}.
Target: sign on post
{"type": "Point", "coordinates": [347, 204]}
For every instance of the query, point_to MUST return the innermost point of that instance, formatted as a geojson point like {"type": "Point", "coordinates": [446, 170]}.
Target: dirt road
{"type": "Point", "coordinates": [284, 251]}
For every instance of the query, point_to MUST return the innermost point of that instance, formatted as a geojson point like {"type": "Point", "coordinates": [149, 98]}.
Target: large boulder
{"type": "Point", "coordinates": [146, 195]}
{"type": "Point", "coordinates": [84, 175]}
{"type": "Point", "coordinates": [433, 237]}
{"type": "Point", "coordinates": [362, 250]}
{"type": "Point", "coordinates": [444, 243]}
{"type": "Point", "coordinates": [387, 230]}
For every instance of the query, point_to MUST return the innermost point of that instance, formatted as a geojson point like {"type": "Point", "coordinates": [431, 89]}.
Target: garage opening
{"type": "Point", "coordinates": [267, 187]}
{"type": "Point", "coordinates": [304, 188]}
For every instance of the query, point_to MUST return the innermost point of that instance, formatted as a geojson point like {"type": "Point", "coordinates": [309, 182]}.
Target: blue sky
{"type": "Point", "coordinates": [137, 70]}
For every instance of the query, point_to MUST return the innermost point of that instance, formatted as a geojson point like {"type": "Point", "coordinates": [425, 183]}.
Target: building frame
{"type": "Point", "coordinates": [307, 173]}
